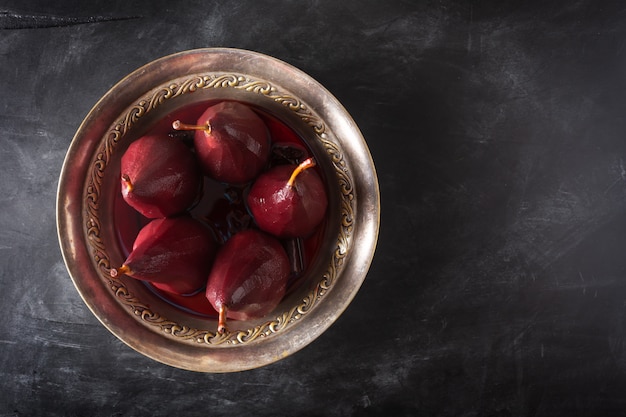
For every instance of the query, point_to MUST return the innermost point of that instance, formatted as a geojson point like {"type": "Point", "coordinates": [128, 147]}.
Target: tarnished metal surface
{"type": "Point", "coordinates": [89, 241]}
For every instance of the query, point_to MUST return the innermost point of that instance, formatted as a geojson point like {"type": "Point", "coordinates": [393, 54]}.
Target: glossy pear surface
{"type": "Point", "coordinates": [160, 176]}
{"type": "Point", "coordinates": [249, 275]}
{"type": "Point", "coordinates": [236, 147]}
{"type": "Point", "coordinates": [175, 254]}
{"type": "Point", "coordinates": [284, 210]}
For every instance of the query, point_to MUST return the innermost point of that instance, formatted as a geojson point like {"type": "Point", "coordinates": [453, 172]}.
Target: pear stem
{"type": "Point", "coordinates": [124, 269]}
{"type": "Point", "coordinates": [221, 323]}
{"type": "Point", "coordinates": [127, 182]}
{"type": "Point", "coordinates": [306, 164]}
{"type": "Point", "coordinates": [178, 125]}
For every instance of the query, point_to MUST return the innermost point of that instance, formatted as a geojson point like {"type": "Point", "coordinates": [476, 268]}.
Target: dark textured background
{"type": "Point", "coordinates": [498, 131]}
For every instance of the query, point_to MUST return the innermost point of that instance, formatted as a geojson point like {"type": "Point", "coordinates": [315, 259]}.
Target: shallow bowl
{"type": "Point", "coordinates": [92, 224]}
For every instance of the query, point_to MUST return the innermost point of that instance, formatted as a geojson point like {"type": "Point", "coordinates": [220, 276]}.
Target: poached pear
{"type": "Point", "coordinates": [160, 176]}
{"type": "Point", "coordinates": [174, 254]}
{"type": "Point", "coordinates": [232, 142]}
{"type": "Point", "coordinates": [248, 278]}
{"type": "Point", "coordinates": [288, 201]}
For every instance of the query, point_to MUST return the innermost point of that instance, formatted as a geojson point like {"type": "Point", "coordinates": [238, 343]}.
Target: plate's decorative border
{"type": "Point", "coordinates": [93, 192]}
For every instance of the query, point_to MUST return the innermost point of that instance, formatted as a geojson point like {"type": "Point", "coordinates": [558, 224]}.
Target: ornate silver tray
{"type": "Point", "coordinates": [88, 217]}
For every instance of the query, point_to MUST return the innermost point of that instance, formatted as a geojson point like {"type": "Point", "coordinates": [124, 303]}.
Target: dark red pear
{"type": "Point", "coordinates": [288, 201]}
{"type": "Point", "coordinates": [175, 254]}
{"type": "Point", "coordinates": [249, 277]}
{"type": "Point", "coordinates": [232, 142]}
{"type": "Point", "coordinates": [160, 176]}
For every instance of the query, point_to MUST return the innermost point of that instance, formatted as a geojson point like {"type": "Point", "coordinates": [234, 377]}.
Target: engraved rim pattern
{"type": "Point", "coordinates": [93, 224]}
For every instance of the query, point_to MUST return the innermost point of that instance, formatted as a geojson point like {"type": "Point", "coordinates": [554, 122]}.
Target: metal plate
{"type": "Point", "coordinates": [86, 211]}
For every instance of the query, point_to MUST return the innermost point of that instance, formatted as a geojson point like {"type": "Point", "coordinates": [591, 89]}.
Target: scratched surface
{"type": "Point", "coordinates": [499, 135]}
